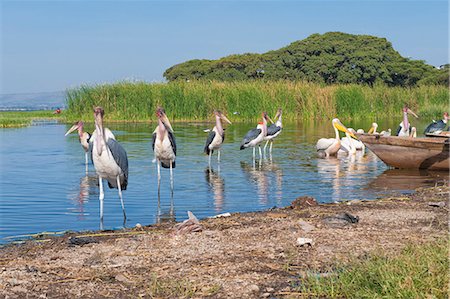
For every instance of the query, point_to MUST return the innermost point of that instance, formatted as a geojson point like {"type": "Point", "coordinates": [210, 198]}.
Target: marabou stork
{"type": "Point", "coordinates": [273, 131]}
{"type": "Point", "coordinates": [83, 137]}
{"type": "Point", "coordinates": [255, 136]}
{"type": "Point", "coordinates": [216, 136]}
{"type": "Point", "coordinates": [164, 145]}
{"type": "Point", "coordinates": [330, 146]}
{"type": "Point", "coordinates": [437, 126]}
{"type": "Point", "coordinates": [110, 160]}
{"type": "Point", "coordinates": [404, 129]}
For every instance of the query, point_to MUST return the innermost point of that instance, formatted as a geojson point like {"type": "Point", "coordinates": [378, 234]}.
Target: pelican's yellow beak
{"type": "Point", "coordinates": [371, 130]}
{"type": "Point", "coordinates": [338, 125]}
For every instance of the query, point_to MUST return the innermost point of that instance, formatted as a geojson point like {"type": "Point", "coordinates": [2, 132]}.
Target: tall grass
{"type": "Point", "coordinates": [419, 271]}
{"type": "Point", "coordinates": [299, 100]}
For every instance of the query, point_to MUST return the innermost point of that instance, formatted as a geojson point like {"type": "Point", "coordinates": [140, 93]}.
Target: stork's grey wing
{"type": "Point", "coordinates": [435, 126]}
{"type": "Point", "coordinates": [252, 134]}
{"type": "Point", "coordinates": [153, 141]}
{"type": "Point", "coordinates": [173, 142]}
{"type": "Point", "coordinates": [119, 154]}
{"type": "Point", "coordinates": [91, 146]}
{"type": "Point", "coordinates": [273, 129]}
{"type": "Point", "coordinates": [398, 130]}
{"type": "Point", "coordinates": [210, 138]}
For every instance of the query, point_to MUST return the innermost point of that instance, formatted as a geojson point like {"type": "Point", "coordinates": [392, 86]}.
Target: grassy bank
{"type": "Point", "coordinates": [419, 271]}
{"type": "Point", "coordinates": [300, 100]}
{"type": "Point", "coordinates": [12, 119]}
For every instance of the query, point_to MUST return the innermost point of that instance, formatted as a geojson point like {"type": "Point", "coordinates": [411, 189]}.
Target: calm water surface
{"type": "Point", "coordinates": [44, 187]}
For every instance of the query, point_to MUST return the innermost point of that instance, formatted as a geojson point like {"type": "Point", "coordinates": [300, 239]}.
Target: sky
{"type": "Point", "coordinates": [56, 45]}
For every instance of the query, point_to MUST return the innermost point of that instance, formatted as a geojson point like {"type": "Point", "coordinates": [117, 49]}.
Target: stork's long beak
{"type": "Point", "coordinates": [100, 132]}
{"type": "Point", "coordinates": [73, 128]}
{"type": "Point", "coordinates": [270, 119]}
{"type": "Point", "coordinates": [411, 112]}
{"type": "Point", "coordinates": [222, 116]}
{"type": "Point", "coordinates": [166, 122]}
{"type": "Point", "coordinates": [344, 129]}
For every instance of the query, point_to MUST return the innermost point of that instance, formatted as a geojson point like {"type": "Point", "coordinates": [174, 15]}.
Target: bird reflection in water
{"type": "Point", "coordinates": [217, 186]}
{"type": "Point", "coordinates": [163, 215]}
{"type": "Point", "coordinates": [330, 170]}
{"type": "Point", "coordinates": [88, 185]}
{"type": "Point", "coordinates": [261, 176]}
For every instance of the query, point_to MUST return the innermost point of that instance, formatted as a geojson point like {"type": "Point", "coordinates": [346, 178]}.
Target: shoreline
{"type": "Point", "coordinates": [247, 255]}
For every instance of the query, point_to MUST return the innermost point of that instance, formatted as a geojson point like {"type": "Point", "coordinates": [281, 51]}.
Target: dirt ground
{"type": "Point", "coordinates": [248, 255]}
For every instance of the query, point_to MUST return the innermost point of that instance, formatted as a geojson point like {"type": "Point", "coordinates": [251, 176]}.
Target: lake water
{"type": "Point", "coordinates": [44, 187]}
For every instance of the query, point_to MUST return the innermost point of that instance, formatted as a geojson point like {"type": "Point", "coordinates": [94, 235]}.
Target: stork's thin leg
{"type": "Point", "coordinates": [121, 200]}
{"type": "Point", "coordinates": [260, 155]}
{"type": "Point", "coordinates": [158, 212]}
{"type": "Point", "coordinates": [218, 155]}
{"type": "Point", "coordinates": [87, 162]}
{"type": "Point", "coordinates": [265, 147]}
{"type": "Point", "coordinates": [171, 177]}
{"type": "Point", "coordinates": [101, 197]}
{"type": "Point", "coordinates": [270, 148]}
{"type": "Point", "coordinates": [159, 174]}
{"type": "Point", "coordinates": [253, 153]}
{"type": "Point", "coordinates": [209, 159]}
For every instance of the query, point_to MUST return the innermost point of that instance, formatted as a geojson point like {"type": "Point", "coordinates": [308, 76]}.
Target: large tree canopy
{"type": "Point", "coordinates": [333, 57]}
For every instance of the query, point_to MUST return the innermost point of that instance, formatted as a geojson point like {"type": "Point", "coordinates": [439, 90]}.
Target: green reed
{"type": "Point", "coordinates": [137, 101]}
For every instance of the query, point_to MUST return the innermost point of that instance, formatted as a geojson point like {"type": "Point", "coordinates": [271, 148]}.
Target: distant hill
{"type": "Point", "coordinates": [329, 58]}
{"type": "Point", "coordinates": [32, 101]}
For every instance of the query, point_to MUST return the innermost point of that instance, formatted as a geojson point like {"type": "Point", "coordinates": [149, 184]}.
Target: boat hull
{"type": "Point", "coordinates": [408, 153]}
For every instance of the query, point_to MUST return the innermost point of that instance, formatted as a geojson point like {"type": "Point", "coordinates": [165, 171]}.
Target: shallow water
{"type": "Point", "coordinates": [43, 184]}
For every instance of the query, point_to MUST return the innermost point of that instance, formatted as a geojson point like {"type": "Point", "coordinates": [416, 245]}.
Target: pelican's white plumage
{"type": "Point", "coordinates": [330, 146]}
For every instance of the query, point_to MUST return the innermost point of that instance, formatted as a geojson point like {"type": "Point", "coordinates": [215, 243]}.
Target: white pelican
{"type": "Point", "coordinates": [255, 136]}
{"type": "Point", "coordinates": [386, 133]}
{"type": "Point", "coordinates": [110, 160]}
{"type": "Point", "coordinates": [273, 131]}
{"type": "Point", "coordinates": [404, 129]}
{"type": "Point", "coordinates": [413, 133]}
{"type": "Point", "coordinates": [330, 146]}
{"type": "Point", "coordinates": [437, 126]}
{"type": "Point", "coordinates": [83, 137]}
{"type": "Point", "coordinates": [373, 129]}
{"type": "Point", "coordinates": [216, 136]}
{"type": "Point", "coordinates": [164, 145]}
{"type": "Point", "coordinates": [347, 143]}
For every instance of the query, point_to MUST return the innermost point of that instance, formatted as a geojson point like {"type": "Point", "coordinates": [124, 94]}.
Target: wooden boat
{"type": "Point", "coordinates": [407, 152]}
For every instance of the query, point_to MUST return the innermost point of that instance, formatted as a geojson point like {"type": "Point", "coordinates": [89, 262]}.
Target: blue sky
{"type": "Point", "coordinates": [55, 45]}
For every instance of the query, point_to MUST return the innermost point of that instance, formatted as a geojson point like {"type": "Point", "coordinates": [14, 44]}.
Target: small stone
{"type": "Point", "coordinates": [265, 295]}
{"type": "Point", "coordinates": [19, 289]}
{"type": "Point", "coordinates": [306, 226]}
{"type": "Point", "coordinates": [304, 241]}
{"type": "Point", "coordinates": [221, 215]}
{"type": "Point", "coordinates": [138, 226]}
{"type": "Point", "coordinates": [270, 290]}
{"type": "Point", "coordinates": [254, 288]}
{"type": "Point", "coordinates": [121, 278]}
{"type": "Point", "coordinates": [440, 204]}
